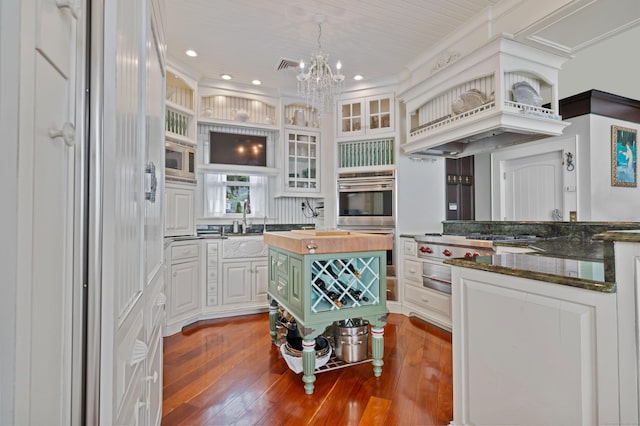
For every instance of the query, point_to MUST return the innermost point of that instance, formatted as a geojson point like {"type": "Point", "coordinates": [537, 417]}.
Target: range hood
{"type": "Point", "coordinates": [486, 100]}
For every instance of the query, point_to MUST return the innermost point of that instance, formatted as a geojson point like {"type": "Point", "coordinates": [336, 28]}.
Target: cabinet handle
{"type": "Point", "coordinates": [74, 9]}
{"type": "Point", "coordinates": [279, 288]}
{"type": "Point", "coordinates": [151, 194]}
{"type": "Point", "coordinates": [153, 378]}
{"type": "Point", "coordinates": [175, 274]}
{"type": "Point", "coordinates": [67, 133]}
{"type": "Point", "coordinates": [161, 300]}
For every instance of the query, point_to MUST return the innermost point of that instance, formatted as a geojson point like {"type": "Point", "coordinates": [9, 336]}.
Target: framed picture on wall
{"type": "Point", "coordinates": [624, 154]}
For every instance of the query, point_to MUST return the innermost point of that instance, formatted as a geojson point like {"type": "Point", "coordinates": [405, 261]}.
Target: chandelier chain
{"type": "Point", "coordinates": [318, 83]}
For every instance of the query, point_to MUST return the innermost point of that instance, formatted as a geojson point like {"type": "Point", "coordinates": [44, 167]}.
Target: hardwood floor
{"type": "Point", "coordinates": [224, 372]}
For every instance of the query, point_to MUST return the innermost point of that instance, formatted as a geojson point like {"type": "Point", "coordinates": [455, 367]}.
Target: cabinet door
{"type": "Point", "coordinates": [179, 217]}
{"type": "Point", "coordinates": [350, 117]}
{"type": "Point", "coordinates": [236, 282]}
{"type": "Point", "coordinates": [260, 272]}
{"type": "Point", "coordinates": [45, 241]}
{"type": "Point", "coordinates": [185, 289]}
{"type": "Point", "coordinates": [379, 114]}
{"type": "Point", "coordinates": [296, 274]}
{"type": "Point", "coordinates": [302, 162]}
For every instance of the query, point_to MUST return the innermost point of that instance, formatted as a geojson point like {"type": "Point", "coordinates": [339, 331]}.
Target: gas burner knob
{"type": "Point", "coordinates": [426, 250]}
{"type": "Point", "coordinates": [476, 254]}
{"type": "Point", "coordinates": [469, 254]}
{"type": "Point", "coordinates": [446, 252]}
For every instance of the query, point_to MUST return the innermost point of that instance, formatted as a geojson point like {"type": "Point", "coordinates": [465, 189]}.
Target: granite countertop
{"type": "Point", "coordinates": [561, 247]}
{"type": "Point", "coordinates": [585, 274]}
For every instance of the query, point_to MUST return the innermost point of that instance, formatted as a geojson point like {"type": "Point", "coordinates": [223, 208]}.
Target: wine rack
{"type": "Point", "coordinates": [338, 284]}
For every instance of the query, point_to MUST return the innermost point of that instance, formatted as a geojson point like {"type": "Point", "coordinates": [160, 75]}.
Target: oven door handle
{"type": "Point", "coordinates": [364, 185]}
{"type": "Point", "coordinates": [441, 280]}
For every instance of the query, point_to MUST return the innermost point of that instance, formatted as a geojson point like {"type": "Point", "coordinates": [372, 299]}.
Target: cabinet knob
{"type": "Point", "coordinates": [153, 378]}
{"type": "Point", "coordinates": [67, 133]}
{"type": "Point", "coordinates": [72, 5]}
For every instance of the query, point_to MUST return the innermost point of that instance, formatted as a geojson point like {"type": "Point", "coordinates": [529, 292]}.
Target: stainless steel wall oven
{"type": "Point", "coordinates": [367, 199]}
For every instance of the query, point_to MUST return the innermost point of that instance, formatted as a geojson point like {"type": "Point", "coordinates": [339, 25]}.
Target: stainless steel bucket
{"type": "Point", "coordinates": [351, 339]}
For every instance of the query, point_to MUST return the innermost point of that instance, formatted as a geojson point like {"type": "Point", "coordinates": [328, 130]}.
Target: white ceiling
{"type": "Point", "coordinates": [248, 38]}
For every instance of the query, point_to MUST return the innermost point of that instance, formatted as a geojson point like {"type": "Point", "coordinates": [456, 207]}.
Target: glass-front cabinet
{"type": "Point", "coordinates": [365, 116]}
{"type": "Point", "coordinates": [302, 161]}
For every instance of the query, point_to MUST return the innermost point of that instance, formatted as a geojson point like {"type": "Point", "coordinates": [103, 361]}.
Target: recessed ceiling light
{"type": "Point", "coordinates": [225, 76]}
{"type": "Point", "coordinates": [358, 77]}
{"type": "Point", "coordinates": [257, 82]}
{"type": "Point", "coordinates": [191, 53]}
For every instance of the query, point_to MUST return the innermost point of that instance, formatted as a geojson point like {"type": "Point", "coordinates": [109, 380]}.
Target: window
{"type": "Point", "coordinates": [224, 195]}
{"type": "Point", "coordinates": [238, 191]}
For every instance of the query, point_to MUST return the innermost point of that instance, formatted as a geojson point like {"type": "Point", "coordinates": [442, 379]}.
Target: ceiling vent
{"type": "Point", "coordinates": [287, 63]}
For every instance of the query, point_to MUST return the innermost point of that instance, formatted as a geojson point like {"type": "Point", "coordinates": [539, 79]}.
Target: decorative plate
{"type": "Point", "coordinates": [468, 100]}
{"type": "Point", "coordinates": [524, 93]}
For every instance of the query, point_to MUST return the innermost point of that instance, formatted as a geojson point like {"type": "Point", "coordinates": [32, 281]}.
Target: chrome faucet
{"type": "Point", "coordinates": [246, 209]}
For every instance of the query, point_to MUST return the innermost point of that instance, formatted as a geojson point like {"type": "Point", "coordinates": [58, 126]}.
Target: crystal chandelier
{"type": "Point", "coordinates": [316, 81]}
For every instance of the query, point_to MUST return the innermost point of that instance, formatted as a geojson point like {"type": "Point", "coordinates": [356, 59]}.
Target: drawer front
{"type": "Point", "coordinates": [410, 248]}
{"type": "Point", "coordinates": [282, 264]}
{"type": "Point", "coordinates": [429, 299]}
{"type": "Point", "coordinates": [212, 275]}
{"type": "Point", "coordinates": [436, 272]}
{"type": "Point", "coordinates": [212, 299]}
{"type": "Point", "coordinates": [184, 251]}
{"type": "Point", "coordinates": [413, 270]}
{"type": "Point", "coordinates": [212, 249]}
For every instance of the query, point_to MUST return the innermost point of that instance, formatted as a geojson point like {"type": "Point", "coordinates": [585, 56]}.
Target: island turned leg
{"type": "Point", "coordinates": [273, 319]}
{"type": "Point", "coordinates": [308, 363]}
{"type": "Point", "coordinates": [377, 347]}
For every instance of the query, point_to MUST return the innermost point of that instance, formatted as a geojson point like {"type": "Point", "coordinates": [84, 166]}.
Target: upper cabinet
{"type": "Point", "coordinates": [222, 106]}
{"type": "Point", "coordinates": [364, 116]}
{"type": "Point", "coordinates": [300, 149]}
{"type": "Point", "coordinates": [302, 162]}
{"type": "Point", "coordinates": [180, 94]}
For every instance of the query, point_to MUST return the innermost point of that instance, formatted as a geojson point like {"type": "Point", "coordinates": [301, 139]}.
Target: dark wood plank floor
{"type": "Point", "coordinates": [225, 372]}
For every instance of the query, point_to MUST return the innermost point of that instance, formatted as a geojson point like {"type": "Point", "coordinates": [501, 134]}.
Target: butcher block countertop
{"type": "Point", "coordinates": [310, 241]}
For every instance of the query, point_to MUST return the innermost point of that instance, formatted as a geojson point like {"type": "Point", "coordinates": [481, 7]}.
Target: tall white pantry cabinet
{"type": "Point", "coordinates": [81, 96]}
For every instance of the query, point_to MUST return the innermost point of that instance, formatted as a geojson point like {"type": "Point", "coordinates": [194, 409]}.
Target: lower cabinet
{"type": "Point", "coordinates": [183, 288]}
{"type": "Point", "coordinates": [212, 278]}
{"type": "Point", "coordinates": [532, 352]}
{"type": "Point", "coordinates": [431, 305]}
{"type": "Point", "coordinates": [244, 282]}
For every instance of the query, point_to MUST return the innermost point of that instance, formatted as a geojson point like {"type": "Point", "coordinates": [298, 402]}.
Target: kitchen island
{"type": "Point", "coordinates": [320, 277]}
{"type": "Point", "coordinates": [543, 339]}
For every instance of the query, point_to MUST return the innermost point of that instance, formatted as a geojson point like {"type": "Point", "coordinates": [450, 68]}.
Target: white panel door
{"type": "Point", "coordinates": [44, 354]}
{"type": "Point", "coordinates": [533, 187]}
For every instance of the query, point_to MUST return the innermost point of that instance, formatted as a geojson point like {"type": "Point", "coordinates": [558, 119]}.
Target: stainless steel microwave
{"type": "Point", "coordinates": [367, 198]}
{"type": "Point", "coordinates": [180, 160]}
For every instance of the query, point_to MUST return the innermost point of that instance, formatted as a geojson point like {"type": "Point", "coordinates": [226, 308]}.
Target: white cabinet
{"type": "Point", "coordinates": [431, 305]}
{"type": "Point", "coordinates": [302, 162]}
{"type": "Point", "coordinates": [244, 282]}
{"type": "Point", "coordinates": [365, 116]}
{"type": "Point", "coordinates": [184, 286]}
{"type": "Point", "coordinates": [212, 273]}
{"type": "Point", "coordinates": [532, 352]}
{"type": "Point", "coordinates": [179, 209]}
{"type": "Point", "coordinates": [244, 271]}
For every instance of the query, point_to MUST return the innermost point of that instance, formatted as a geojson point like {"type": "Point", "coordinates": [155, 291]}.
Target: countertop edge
{"type": "Point", "coordinates": [603, 287]}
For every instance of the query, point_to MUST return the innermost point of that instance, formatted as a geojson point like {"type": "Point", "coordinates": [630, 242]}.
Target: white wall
{"type": "Point", "coordinates": [608, 203]}
{"type": "Point", "coordinates": [9, 77]}
{"type": "Point", "coordinates": [612, 65]}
